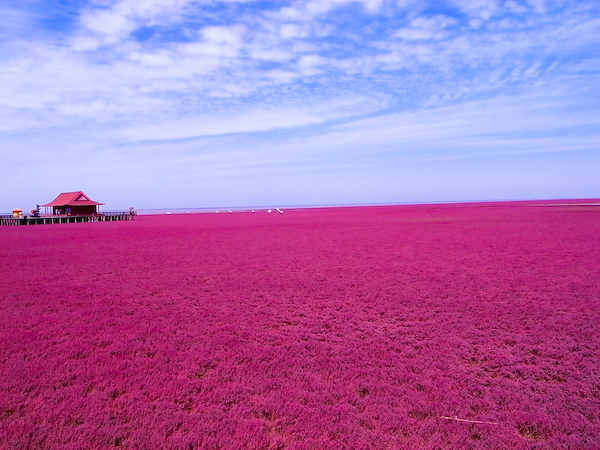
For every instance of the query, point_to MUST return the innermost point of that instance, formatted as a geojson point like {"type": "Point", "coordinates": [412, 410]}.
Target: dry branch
{"type": "Point", "coordinates": [467, 420]}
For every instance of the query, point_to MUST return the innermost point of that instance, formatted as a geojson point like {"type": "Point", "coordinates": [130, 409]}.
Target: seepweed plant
{"type": "Point", "coordinates": [337, 328]}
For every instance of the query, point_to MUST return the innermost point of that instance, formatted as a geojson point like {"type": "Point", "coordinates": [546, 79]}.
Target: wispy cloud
{"type": "Point", "coordinates": [256, 119]}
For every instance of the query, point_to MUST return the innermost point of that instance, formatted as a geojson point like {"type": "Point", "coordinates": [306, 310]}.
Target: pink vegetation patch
{"type": "Point", "coordinates": [338, 328]}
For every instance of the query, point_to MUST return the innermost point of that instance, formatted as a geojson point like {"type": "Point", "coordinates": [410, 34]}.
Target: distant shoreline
{"type": "Point", "coordinates": [474, 203]}
{"type": "Point", "coordinates": [264, 208]}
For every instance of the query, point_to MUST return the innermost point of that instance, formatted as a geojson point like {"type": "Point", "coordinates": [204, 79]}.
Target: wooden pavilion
{"type": "Point", "coordinates": [73, 204]}
{"type": "Point", "coordinates": [68, 207]}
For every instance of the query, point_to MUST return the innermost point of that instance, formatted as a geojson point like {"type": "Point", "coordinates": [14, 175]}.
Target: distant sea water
{"type": "Point", "coordinates": [227, 209]}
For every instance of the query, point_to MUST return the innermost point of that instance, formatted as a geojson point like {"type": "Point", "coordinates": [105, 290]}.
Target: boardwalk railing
{"type": "Point", "coordinates": [109, 216]}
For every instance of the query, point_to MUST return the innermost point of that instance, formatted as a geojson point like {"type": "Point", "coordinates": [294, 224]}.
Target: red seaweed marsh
{"type": "Point", "coordinates": [472, 326]}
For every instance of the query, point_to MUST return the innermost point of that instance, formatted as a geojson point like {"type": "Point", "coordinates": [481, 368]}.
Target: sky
{"type": "Point", "coordinates": [183, 103]}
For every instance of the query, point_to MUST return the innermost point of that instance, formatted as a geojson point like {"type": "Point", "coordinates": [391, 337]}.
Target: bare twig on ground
{"type": "Point", "coordinates": [467, 420]}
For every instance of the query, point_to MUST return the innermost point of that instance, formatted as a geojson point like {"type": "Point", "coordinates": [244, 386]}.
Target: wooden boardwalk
{"type": "Point", "coordinates": [44, 220]}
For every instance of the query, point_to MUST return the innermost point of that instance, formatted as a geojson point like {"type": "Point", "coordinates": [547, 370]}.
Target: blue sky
{"type": "Point", "coordinates": [182, 103]}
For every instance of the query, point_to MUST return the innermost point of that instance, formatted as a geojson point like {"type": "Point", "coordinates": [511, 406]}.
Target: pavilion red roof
{"type": "Point", "coordinates": [72, 199]}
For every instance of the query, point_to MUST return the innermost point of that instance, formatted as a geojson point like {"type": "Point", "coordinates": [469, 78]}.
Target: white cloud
{"type": "Point", "coordinates": [280, 76]}
{"type": "Point", "coordinates": [304, 11]}
{"type": "Point", "coordinates": [269, 55]}
{"type": "Point", "coordinates": [255, 120]}
{"type": "Point", "coordinates": [539, 6]}
{"type": "Point", "coordinates": [113, 23]}
{"type": "Point", "coordinates": [16, 22]}
{"type": "Point", "coordinates": [310, 61]}
{"type": "Point", "coordinates": [514, 7]}
{"type": "Point", "coordinates": [481, 10]}
{"type": "Point", "coordinates": [157, 58]}
{"type": "Point", "coordinates": [436, 23]}
{"type": "Point", "coordinates": [230, 36]}
{"type": "Point", "coordinates": [292, 30]}
{"type": "Point", "coordinates": [417, 33]}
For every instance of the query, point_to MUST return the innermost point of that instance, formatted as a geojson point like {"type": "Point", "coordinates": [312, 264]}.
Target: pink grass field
{"type": "Point", "coordinates": [333, 328]}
